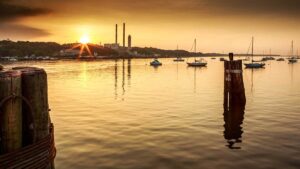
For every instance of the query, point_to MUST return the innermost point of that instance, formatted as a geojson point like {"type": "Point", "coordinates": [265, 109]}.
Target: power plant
{"type": "Point", "coordinates": [124, 35]}
{"type": "Point", "coordinates": [116, 45]}
{"type": "Point", "coordinates": [129, 42]}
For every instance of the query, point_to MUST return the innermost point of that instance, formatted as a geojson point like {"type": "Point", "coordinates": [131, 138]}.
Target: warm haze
{"type": "Point", "coordinates": [220, 26]}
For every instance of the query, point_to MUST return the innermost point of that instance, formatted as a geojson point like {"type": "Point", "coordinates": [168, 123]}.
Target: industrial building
{"type": "Point", "coordinates": [116, 45]}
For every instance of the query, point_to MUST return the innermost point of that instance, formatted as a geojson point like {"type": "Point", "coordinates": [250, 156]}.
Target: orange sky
{"type": "Point", "coordinates": [218, 26]}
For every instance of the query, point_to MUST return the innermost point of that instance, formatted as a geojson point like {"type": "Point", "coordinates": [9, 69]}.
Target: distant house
{"type": "Point", "coordinates": [70, 52]}
{"type": "Point", "coordinates": [114, 46]}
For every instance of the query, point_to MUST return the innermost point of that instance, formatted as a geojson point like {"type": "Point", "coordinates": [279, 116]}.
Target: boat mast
{"type": "Point", "coordinates": [195, 48]}
{"type": "Point", "coordinates": [177, 51]}
{"type": "Point", "coordinates": [252, 47]}
{"type": "Point", "coordinates": [292, 48]}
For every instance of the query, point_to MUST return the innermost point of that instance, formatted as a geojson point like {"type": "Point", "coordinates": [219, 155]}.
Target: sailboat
{"type": "Point", "coordinates": [254, 64]}
{"type": "Point", "coordinates": [197, 63]}
{"type": "Point", "coordinates": [292, 59]}
{"type": "Point", "coordinates": [178, 59]}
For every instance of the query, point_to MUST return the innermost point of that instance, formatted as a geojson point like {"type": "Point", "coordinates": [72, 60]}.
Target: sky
{"type": "Point", "coordinates": [218, 25]}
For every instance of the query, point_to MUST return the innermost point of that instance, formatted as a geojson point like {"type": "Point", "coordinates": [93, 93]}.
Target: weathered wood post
{"type": "Point", "coordinates": [234, 100]}
{"type": "Point", "coordinates": [10, 112]}
{"type": "Point", "coordinates": [26, 132]}
{"type": "Point", "coordinates": [234, 90]}
{"type": "Point", "coordinates": [35, 90]}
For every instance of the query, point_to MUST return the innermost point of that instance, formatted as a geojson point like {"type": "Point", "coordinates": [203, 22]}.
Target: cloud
{"type": "Point", "coordinates": [9, 11]}
{"type": "Point", "coordinates": [9, 26]}
{"type": "Point", "coordinates": [16, 31]}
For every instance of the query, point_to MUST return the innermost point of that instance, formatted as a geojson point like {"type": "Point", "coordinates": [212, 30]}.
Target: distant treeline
{"type": "Point", "coordinates": [25, 48]}
{"type": "Point", "coordinates": [21, 49]}
{"type": "Point", "coordinates": [149, 51]}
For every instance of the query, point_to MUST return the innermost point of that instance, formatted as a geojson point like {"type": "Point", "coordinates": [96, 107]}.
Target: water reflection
{"type": "Point", "coordinates": [123, 78]}
{"type": "Point", "coordinates": [129, 72]}
{"type": "Point", "coordinates": [233, 117]}
{"type": "Point", "coordinates": [116, 79]}
{"type": "Point", "coordinates": [123, 83]}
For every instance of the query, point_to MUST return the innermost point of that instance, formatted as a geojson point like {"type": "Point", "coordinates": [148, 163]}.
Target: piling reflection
{"type": "Point", "coordinates": [233, 118]}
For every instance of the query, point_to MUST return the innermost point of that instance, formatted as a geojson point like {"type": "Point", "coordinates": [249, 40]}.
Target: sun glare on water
{"type": "Point", "coordinates": [84, 39]}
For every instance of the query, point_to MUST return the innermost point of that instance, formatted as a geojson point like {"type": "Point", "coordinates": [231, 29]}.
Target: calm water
{"type": "Point", "coordinates": [128, 115]}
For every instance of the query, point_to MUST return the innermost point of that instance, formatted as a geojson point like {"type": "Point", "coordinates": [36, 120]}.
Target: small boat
{"type": "Point", "coordinates": [222, 59]}
{"type": "Point", "coordinates": [197, 63]}
{"type": "Point", "coordinates": [213, 58]}
{"type": "Point", "coordinates": [178, 59]}
{"type": "Point", "coordinates": [292, 59]}
{"type": "Point", "coordinates": [254, 64]}
{"type": "Point", "coordinates": [280, 59]}
{"type": "Point", "coordinates": [155, 62]}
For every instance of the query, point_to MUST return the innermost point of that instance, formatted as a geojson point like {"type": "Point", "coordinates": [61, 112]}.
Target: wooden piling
{"type": "Point", "coordinates": [10, 111]}
{"type": "Point", "coordinates": [35, 90]}
{"type": "Point", "coordinates": [234, 90]}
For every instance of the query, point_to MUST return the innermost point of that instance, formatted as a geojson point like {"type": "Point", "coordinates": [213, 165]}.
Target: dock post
{"type": "Point", "coordinates": [234, 101]}
{"type": "Point", "coordinates": [234, 90]}
{"type": "Point", "coordinates": [10, 112]}
{"type": "Point", "coordinates": [35, 90]}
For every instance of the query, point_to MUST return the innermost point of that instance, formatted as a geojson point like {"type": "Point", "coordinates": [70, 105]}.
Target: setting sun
{"type": "Point", "coordinates": [84, 39]}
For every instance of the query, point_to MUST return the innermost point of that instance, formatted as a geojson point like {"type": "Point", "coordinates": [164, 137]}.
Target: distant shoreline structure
{"type": "Point", "coordinates": [25, 50]}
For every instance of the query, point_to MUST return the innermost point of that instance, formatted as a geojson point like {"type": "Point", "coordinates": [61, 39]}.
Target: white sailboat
{"type": "Point", "coordinates": [254, 64]}
{"type": "Point", "coordinates": [178, 58]}
{"type": "Point", "coordinates": [292, 59]}
{"type": "Point", "coordinates": [197, 63]}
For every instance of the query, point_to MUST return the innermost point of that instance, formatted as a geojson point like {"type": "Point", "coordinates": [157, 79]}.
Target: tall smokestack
{"type": "Point", "coordinates": [116, 33]}
{"type": "Point", "coordinates": [129, 42]}
{"type": "Point", "coordinates": [124, 35]}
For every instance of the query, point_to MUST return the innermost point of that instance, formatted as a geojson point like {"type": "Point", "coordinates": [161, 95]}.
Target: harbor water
{"type": "Point", "coordinates": [125, 114]}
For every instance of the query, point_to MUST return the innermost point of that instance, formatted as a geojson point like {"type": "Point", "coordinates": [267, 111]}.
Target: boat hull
{"type": "Point", "coordinates": [197, 64]}
{"type": "Point", "coordinates": [293, 60]}
{"type": "Point", "coordinates": [255, 65]}
{"type": "Point", "coordinates": [178, 60]}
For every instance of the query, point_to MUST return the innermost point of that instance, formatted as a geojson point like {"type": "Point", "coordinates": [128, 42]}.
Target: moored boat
{"type": "Point", "coordinates": [155, 62]}
{"type": "Point", "coordinates": [197, 63]}
{"type": "Point", "coordinates": [178, 58]}
{"type": "Point", "coordinates": [292, 59]}
{"type": "Point", "coordinates": [280, 59]}
{"type": "Point", "coordinates": [254, 64]}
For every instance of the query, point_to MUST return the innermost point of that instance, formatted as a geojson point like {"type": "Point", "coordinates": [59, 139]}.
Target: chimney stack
{"type": "Point", "coordinates": [116, 34]}
{"type": "Point", "coordinates": [124, 35]}
{"type": "Point", "coordinates": [129, 42]}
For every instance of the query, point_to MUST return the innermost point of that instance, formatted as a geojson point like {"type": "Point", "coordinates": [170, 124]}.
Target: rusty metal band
{"type": "Point", "coordinates": [38, 155]}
